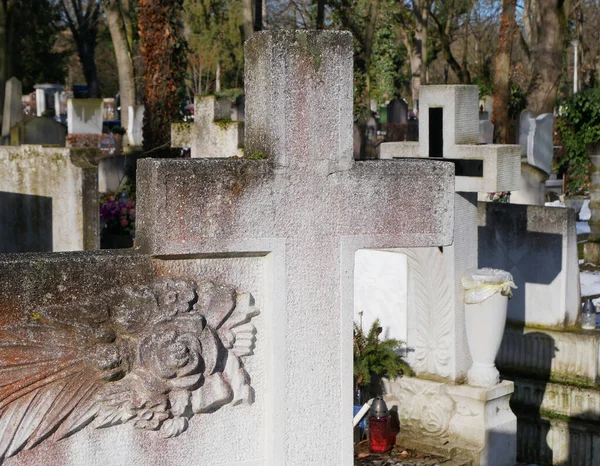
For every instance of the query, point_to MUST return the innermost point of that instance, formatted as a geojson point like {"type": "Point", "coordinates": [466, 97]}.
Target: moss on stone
{"type": "Point", "coordinates": [555, 416]}
{"type": "Point", "coordinates": [224, 124]}
{"type": "Point", "coordinates": [310, 46]}
{"type": "Point", "coordinates": [256, 156]}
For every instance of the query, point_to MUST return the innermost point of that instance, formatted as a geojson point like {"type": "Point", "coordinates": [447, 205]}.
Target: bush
{"type": "Point", "coordinates": [375, 357]}
{"type": "Point", "coordinates": [578, 125]}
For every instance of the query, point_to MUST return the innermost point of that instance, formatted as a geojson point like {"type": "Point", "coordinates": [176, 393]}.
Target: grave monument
{"type": "Point", "coordinates": [447, 414]}
{"type": "Point", "coordinates": [231, 321]}
{"type": "Point", "coordinates": [13, 105]}
{"type": "Point", "coordinates": [537, 149]}
{"type": "Point", "coordinates": [212, 133]}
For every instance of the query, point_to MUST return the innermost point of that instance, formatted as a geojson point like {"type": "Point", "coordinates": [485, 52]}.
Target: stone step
{"type": "Point", "coordinates": [570, 356]}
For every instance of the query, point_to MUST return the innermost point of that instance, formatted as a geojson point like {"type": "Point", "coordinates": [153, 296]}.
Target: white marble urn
{"type": "Point", "coordinates": [486, 299]}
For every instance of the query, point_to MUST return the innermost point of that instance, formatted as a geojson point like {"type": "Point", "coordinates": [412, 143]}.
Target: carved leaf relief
{"type": "Point", "coordinates": [433, 305]}
{"type": "Point", "coordinates": [150, 355]}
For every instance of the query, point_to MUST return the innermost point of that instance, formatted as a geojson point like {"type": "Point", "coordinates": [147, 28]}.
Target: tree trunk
{"type": "Point", "coordinates": [368, 51]}
{"type": "Point", "coordinates": [422, 38]}
{"type": "Point", "coordinates": [502, 72]}
{"type": "Point", "coordinates": [414, 55]}
{"type": "Point", "coordinates": [258, 10]}
{"type": "Point", "coordinates": [7, 29]}
{"type": "Point", "coordinates": [118, 33]}
{"type": "Point", "coordinates": [551, 27]}
{"type": "Point", "coordinates": [164, 52]}
{"type": "Point", "coordinates": [320, 21]}
{"type": "Point", "coordinates": [87, 55]}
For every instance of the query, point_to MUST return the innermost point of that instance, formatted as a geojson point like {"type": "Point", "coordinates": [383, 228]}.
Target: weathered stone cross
{"type": "Point", "coordinates": [305, 210]}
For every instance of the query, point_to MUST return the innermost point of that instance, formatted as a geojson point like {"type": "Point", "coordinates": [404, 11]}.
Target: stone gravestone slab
{"type": "Point", "coordinates": [39, 130]}
{"type": "Point", "coordinates": [486, 132]}
{"type": "Point", "coordinates": [148, 346]}
{"type": "Point", "coordinates": [13, 105]}
{"type": "Point", "coordinates": [524, 129]}
{"type": "Point", "coordinates": [538, 246]}
{"type": "Point", "coordinates": [85, 116]}
{"type": "Point", "coordinates": [397, 112]}
{"type": "Point", "coordinates": [540, 143]}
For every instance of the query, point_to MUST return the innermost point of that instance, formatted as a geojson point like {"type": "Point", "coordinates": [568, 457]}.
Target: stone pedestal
{"type": "Point", "coordinates": [457, 421]}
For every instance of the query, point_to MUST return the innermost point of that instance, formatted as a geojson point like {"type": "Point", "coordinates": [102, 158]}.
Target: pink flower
{"type": "Point", "coordinates": [124, 222]}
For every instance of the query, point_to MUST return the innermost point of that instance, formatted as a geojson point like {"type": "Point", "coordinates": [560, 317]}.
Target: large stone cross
{"type": "Point", "coordinates": [303, 212]}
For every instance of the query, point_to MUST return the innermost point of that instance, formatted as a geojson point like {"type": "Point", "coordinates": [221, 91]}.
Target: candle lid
{"type": "Point", "coordinates": [378, 408]}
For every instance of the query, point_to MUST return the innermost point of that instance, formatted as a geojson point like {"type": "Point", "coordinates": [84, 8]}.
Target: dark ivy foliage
{"type": "Point", "coordinates": [578, 125]}
{"type": "Point", "coordinates": [375, 357]}
{"type": "Point", "coordinates": [164, 51]}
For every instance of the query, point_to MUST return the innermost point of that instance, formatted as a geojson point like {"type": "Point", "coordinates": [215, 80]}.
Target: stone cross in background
{"type": "Point", "coordinates": [212, 133]}
{"type": "Point", "coordinates": [448, 129]}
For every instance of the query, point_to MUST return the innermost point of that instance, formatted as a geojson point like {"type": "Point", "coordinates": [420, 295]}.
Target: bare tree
{"type": "Point", "coordinates": [118, 18]}
{"type": "Point", "coordinates": [502, 71]}
{"type": "Point", "coordinates": [82, 17]}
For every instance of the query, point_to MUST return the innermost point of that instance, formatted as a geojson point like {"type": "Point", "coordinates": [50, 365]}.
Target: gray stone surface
{"type": "Point", "coordinates": [305, 211]}
{"type": "Point", "coordinates": [56, 285]}
{"type": "Point", "coordinates": [532, 190]}
{"type": "Point", "coordinates": [540, 145]}
{"type": "Point", "coordinates": [486, 132]}
{"type": "Point", "coordinates": [524, 129]}
{"type": "Point", "coordinates": [538, 246]}
{"type": "Point", "coordinates": [39, 130]}
{"type": "Point", "coordinates": [13, 105]}
{"type": "Point", "coordinates": [285, 229]}
{"type": "Point", "coordinates": [389, 150]}
{"type": "Point", "coordinates": [594, 204]}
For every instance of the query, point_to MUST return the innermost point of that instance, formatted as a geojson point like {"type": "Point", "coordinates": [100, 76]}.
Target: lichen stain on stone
{"type": "Point", "coordinates": [310, 46]}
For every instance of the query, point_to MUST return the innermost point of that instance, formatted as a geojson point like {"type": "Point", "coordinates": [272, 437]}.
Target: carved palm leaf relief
{"type": "Point", "coordinates": [433, 303]}
{"type": "Point", "coordinates": [152, 355]}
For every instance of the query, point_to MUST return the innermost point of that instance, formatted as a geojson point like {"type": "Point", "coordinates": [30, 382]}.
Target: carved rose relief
{"type": "Point", "coordinates": [150, 355]}
{"type": "Point", "coordinates": [423, 410]}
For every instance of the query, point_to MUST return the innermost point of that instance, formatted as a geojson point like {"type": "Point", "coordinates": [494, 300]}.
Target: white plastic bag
{"type": "Point", "coordinates": [481, 284]}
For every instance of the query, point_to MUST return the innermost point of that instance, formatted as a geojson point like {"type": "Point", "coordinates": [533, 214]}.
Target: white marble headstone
{"type": "Point", "coordinates": [380, 291]}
